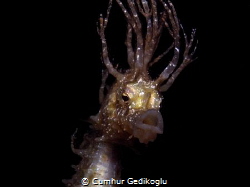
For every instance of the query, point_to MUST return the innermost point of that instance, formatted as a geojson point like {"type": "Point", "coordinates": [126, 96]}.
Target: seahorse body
{"type": "Point", "coordinates": [99, 161]}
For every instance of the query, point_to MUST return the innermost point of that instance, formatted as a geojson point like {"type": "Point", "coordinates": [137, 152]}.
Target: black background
{"type": "Point", "coordinates": [203, 111]}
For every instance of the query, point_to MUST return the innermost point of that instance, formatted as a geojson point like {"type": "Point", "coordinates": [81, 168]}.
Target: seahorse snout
{"type": "Point", "coordinates": [148, 125]}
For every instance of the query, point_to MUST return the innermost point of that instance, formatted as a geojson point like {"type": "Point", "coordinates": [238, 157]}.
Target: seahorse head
{"type": "Point", "coordinates": [131, 109]}
{"type": "Point", "coordinates": [131, 106]}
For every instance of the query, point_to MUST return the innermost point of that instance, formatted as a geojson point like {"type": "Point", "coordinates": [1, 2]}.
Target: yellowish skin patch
{"type": "Point", "coordinates": [142, 95]}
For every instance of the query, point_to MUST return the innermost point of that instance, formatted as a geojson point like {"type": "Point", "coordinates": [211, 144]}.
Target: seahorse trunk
{"type": "Point", "coordinates": [100, 162]}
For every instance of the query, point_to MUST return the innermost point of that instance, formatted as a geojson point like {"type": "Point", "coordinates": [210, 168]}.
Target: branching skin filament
{"type": "Point", "coordinates": [130, 107]}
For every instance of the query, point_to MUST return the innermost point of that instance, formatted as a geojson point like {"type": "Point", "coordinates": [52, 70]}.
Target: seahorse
{"type": "Point", "coordinates": [130, 108]}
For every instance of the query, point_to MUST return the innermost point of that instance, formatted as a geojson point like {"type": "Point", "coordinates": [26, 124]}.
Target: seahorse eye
{"type": "Point", "coordinates": [125, 98]}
